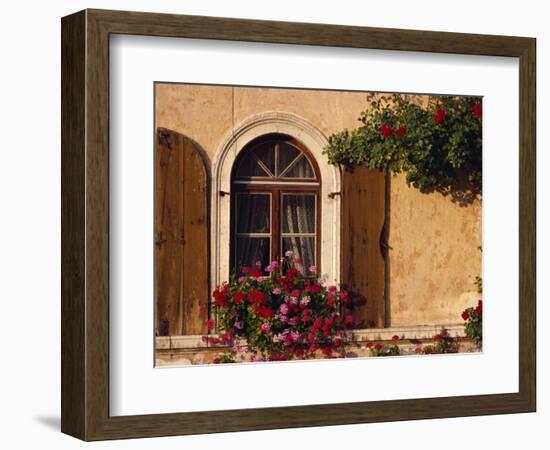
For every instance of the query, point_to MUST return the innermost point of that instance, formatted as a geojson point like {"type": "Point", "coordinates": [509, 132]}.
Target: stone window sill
{"type": "Point", "coordinates": [418, 332]}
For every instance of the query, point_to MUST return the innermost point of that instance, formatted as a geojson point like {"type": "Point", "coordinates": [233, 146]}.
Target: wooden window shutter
{"type": "Point", "coordinates": [362, 241]}
{"type": "Point", "coordinates": [181, 236]}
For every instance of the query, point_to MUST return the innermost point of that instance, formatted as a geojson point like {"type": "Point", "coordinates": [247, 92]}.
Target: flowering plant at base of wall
{"type": "Point", "coordinates": [380, 350]}
{"type": "Point", "coordinates": [474, 322]}
{"type": "Point", "coordinates": [442, 343]}
{"type": "Point", "coordinates": [280, 313]}
{"type": "Point", "coordinates": [438, 146]}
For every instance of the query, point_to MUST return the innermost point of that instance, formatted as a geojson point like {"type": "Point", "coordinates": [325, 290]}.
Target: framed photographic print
{"type": "Point", "coordinates": [270, 224]}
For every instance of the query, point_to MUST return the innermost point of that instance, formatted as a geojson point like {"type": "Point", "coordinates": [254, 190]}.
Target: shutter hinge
{"type": "Point", "coordinates": [334, 194]}
{"type": "Point", "coordinates": [165, 139]}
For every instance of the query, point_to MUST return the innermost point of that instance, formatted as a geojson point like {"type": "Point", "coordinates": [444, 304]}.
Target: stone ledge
{"type": "Point", "coordinates": [417, 332]}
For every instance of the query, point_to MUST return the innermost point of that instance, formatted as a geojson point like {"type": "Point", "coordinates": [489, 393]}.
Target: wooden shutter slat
{"type": "Point", "coordinates": [363, 264]}
{"type": "Point", "coordinates": [181, 236]}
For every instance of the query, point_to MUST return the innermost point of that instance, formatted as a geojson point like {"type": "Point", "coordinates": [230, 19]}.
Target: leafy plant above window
{"type": "Point", "coordinates": [437, 144]}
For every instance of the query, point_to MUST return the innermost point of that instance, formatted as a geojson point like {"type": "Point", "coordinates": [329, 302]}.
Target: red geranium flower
{"type": "Point", "coordinates": [344, 296]}
{"type": "Point", "coordinates": [266, 313]}
{"type": "Point", "coordinates": [313, 289]}
{"type": "Point", "coordinates": [256, 273]}
{"type": "Point", "coordinates": [238, 298]}
{"type": "Point", "coordinates": [418, 350]}
{"type": "Point", "coordinates": [395, 337]}
{"type": "Point", "coordinates": [439, 116]}
{"type": "Point", "coordinates": [369, 344]}
{"type": "Point", "coordinates": [256, 297]}
{"type": "Point", "coordinates": [220, 297]}
{"type": "Point", "coordinates": [216, 360]}
{"type": "Point", "coordinates": [227, 336]}
{"type": "Point", "coordinates": [386, 130]}
{"type": "Point", "coordinates": [378, 346]}
{"type": "Point", "coordinates": [210, 324]}
{"type": "Point", "coordinates": [317, 323]}
{"type": "Point", "coordinates": [292, 272]}
{"type": "Point", "coordinates": [476, 110]}
{"type": "Point", "coordinates": [437, 337]}
{"type": "Point", "coordinates": [465, 315]}
{"type": "Point", "coordinates": [401, 132]}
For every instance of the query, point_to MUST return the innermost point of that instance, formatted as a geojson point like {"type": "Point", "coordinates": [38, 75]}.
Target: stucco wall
{"type": "Point", "coordinates": [434, 257]}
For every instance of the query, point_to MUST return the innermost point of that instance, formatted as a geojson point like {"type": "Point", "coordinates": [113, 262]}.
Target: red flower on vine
{"type": "Point", "coordinates": [465, 315]}
{"type": "Point", "coordinates": [386, 130]}
{"type": "Point", "coordinates": [439, 116]}
{"type": "Point", "coordinates": [401, 132]}
{"type": "Point", "coordinates": [479, 308]}
{"type": "Point", "coordinates": [477, 110]}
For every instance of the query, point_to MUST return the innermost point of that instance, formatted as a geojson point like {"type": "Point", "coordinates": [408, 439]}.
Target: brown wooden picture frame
{"type": "Point", "coordinates": [85, 224]}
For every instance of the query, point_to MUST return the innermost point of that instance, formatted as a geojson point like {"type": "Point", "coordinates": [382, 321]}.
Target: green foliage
{"type": "Point", "coordinates": [443, 342]}
{"type": "Point", "coordinates": [437, 145]}
{"type": "Point", "coordinates": [385, 351]}
{"type": "Point", "coordinates": [473, 326]}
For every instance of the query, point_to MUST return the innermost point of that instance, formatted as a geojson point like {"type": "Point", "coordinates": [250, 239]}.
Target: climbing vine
{"type": "Point", "coordinates": [437, 145]}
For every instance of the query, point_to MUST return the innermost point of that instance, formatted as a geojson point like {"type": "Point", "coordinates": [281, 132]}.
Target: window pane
{"type": "Point", "coordinates": [302, 169]}
{"type": "Point", "coordinates": [249, 167]}
{"type": "Point", "coordinates": [303, 248]}
{"type": "Point", "coordinates": [266, 154]}
{"type": "Point", "coordinates": [287, 154]}
{"type": "Point", "coordinates": [298, 214]}
{"type": "Point", "coordinates": [249, 250]}
{"type": "Point", "coordinates": [253, 213]}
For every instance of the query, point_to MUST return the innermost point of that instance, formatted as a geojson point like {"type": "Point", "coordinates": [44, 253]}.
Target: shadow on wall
{"type": "Point", "coordinates": [461, 191]}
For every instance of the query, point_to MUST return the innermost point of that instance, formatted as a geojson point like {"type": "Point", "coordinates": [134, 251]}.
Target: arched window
{"type": "Point", "coordinates": [275, 206]}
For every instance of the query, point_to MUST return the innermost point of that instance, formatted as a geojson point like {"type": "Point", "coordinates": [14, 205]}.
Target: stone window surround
{"type": "Point", "coordinates": [222, 164]}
